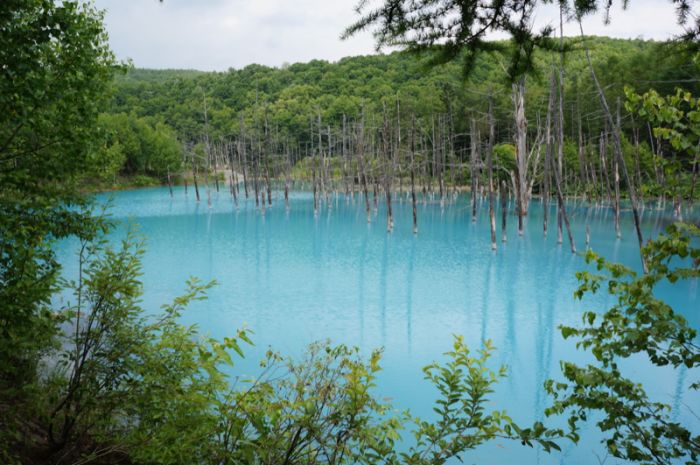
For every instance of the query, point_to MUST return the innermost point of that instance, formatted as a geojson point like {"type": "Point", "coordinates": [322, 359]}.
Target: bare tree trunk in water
{"type": "Point", "coordinates": [560, 125]}
{"type": "Point", "coordinates": [474, 168]}
{"type": "Point", "coordinates": [194, 174]}
{"type": "Point", "coordinates": [548, 156]}
{"type": "Point", "coordinates": [233, 189]}
{"type": "Point", "coordinates": [313, 178]}
{"type": "Point", "coordinates": [207, 151]}
{"type": "Point", "coordinates": [616, 179]}
{"type": "Point", "coordinates": [345, 159]}
{"type": "Point", "coordinates": [327, 157]}
{"type": "Point", "coordinates": [170, 184]}
{"type": "Point", "coordinates": [288, 168]}
{"type": "Point", "coordinates": [242, 155]}
{"type": "Point", "coordinates": [233, 181]}
{"type": "Point", "coordinates": [387, 149]}
{"type": "Point", "coordinates": [618, 154]}
{"type": "Point", "coordinates": [695, 176]}
{"type": "Point", "coordinates": [489, 162]}
{"type": "Point", "coordinates": [560, 138]}
{"type": "Point", "coordinates": [256, 171]}
{"type": "Point", "coordinates": [216, 172]}
{"type": "Point", "coordinates": [560, 195]}
{"type": "Point", "coordinates": [562, 209]}
{"type": "Point", "coordinates": [616, 174]}
{"type": "Point", "coordinates": [504, 212]}
{"type": "Point", "coordinates": [361, 165]}
{"type": "Point", "coordinates": [413, 177]}
{"type": "Point", "coordinates": [604, 171]}
{"type": "Point", "coordinates": [520, 150]}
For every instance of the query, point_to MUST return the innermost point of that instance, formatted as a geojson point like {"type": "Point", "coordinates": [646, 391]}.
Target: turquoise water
{"type": "Point", "coordinates": [293, 278]}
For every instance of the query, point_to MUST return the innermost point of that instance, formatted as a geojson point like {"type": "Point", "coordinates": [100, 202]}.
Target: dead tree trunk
{"type": "Point", "coordinates": [560, 195]}
{"type": "Point", "coordinates": [520, 151]}
{"type": "Point", "coordinates": [344, 154]}
{"type": "Point", "coordinates": [474, 167]}
{"type": "Point", "coordinates": [242, 156]}
{"type": "Point", "coordinates": [361, 164]}
{"type": "Point", "coordinates": [618, 154]}
{"type": "Point", "coordinates": [287, 170]}
{"type": "Point", "coordinates": [604, 172]}
{"type": "Point", "coordinates": [489, 162]}
{"type": "Point", "coordinates": [548, 157]}
{"type": "Point", "coordinates": [170, 184]}
{"type": "Point", "coordinates": [194, 175]}
{"type": "Point", "coordinates": [386, 156]}
{"type": "Point", "coordinates": [266, 160]}
{"type": "Point", "coordinates": [562, 209]}
{"type": "Point", "coordinates": [256, 171]}
{"type": "Point", "coordinates": [504, 211]}
{"type": "Point", "coordinates": [313, 181]}
{"type": "Point", "coordinates": [413, 177]}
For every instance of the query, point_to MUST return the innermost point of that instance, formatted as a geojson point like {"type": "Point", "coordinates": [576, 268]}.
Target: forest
{"type": "Point", "coordinates": [89, 375]}
{"type": "Point", "coordinates": [309, 121]}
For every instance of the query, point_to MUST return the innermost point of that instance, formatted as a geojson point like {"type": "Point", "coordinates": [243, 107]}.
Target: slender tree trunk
{"type": "Point", "coordinates": [562, 209]}
{"type": "Point", "coordinates": [242, 154]}
{"type": "Point", "coordinates": [413, 177]}
{"type": "Point", "coordinates": [361, 164]}
{"type": "Point", "coordinates": [288, 168]}
{"type": "Point", "coordinates": [616, 174]}
{"type": "Point", "coordinates": [170, 184]}
{"type": "Point", "coordinates": [474, 173]}
{"type": "Point", "coordinates": [560, 195]}
{"type": "Point", "coordinates": [256, 171]}
{"type": "Point", "coordinates": [548, 156]}
{"type": "Point", "coordinates": [313, 175]}
{"type": "Point", "coordinates": [520, 151]}
{"type": "Point", "coordinates": [618, 154]}
{"type": "Point", "coordinates": [489, 162]}
{"type": "Point", "coordinates": [386, 155]}
{"type": "Point", "coordinates": [196, 186]}
{"type": "Point", "coordinates": [504, 211]}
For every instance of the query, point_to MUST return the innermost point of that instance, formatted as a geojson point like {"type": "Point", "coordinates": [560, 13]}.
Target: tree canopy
{"type": "Point", "coordinates": [55, 70]}
{"type": "Point", "coordinates": [452, 29]}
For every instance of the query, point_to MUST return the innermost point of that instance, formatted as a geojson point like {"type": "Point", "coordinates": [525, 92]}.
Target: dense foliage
{"type": "Point", "coordinates": [129, 145]}
{"type": "Point", "coordinates": [290, 105]}
{"type": "Point", "coordinates": [293, 95]}
{"type": "Point", "coordinates": [55, 68]}
{"type": "Point", "coordinates": [456, 29]}
{"type": "Point", "coordinates": [638, 428]}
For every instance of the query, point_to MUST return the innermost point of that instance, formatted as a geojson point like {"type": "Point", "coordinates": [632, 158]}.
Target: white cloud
{"type": "Point", "coordinates": [218, 34]}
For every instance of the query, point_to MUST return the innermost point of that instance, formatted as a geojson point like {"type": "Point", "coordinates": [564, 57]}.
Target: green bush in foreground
{"type": "Point", "coordinates": [639, 324]}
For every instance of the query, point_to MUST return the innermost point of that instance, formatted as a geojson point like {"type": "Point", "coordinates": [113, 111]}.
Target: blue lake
{"type": "Point", "coordinates": [293, 278]}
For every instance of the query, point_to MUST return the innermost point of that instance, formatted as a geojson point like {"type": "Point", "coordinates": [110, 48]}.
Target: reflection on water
{"type": "Point", "coordinates": [294, 278]}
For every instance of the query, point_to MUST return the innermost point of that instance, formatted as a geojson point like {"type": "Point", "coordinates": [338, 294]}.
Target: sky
{"type": "Point", "coordinates": [221, 34]}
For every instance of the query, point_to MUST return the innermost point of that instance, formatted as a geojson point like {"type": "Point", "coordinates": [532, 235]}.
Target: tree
{"type": "Point", "coordinates": [676, 119]}
{"type": "Point", "coordinates": [130, 145]}
{"type": "Point", "coordinates": [55, 67]}
{"type": "Point", "coordinates": [457, 29]}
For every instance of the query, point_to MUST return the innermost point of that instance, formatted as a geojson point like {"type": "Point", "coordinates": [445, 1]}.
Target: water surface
{"type": "Point", "coordinates": [294, 277]}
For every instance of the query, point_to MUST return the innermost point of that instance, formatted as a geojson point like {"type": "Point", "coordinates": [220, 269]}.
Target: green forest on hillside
{"type": "Point", "coordinates": [156, 119]}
